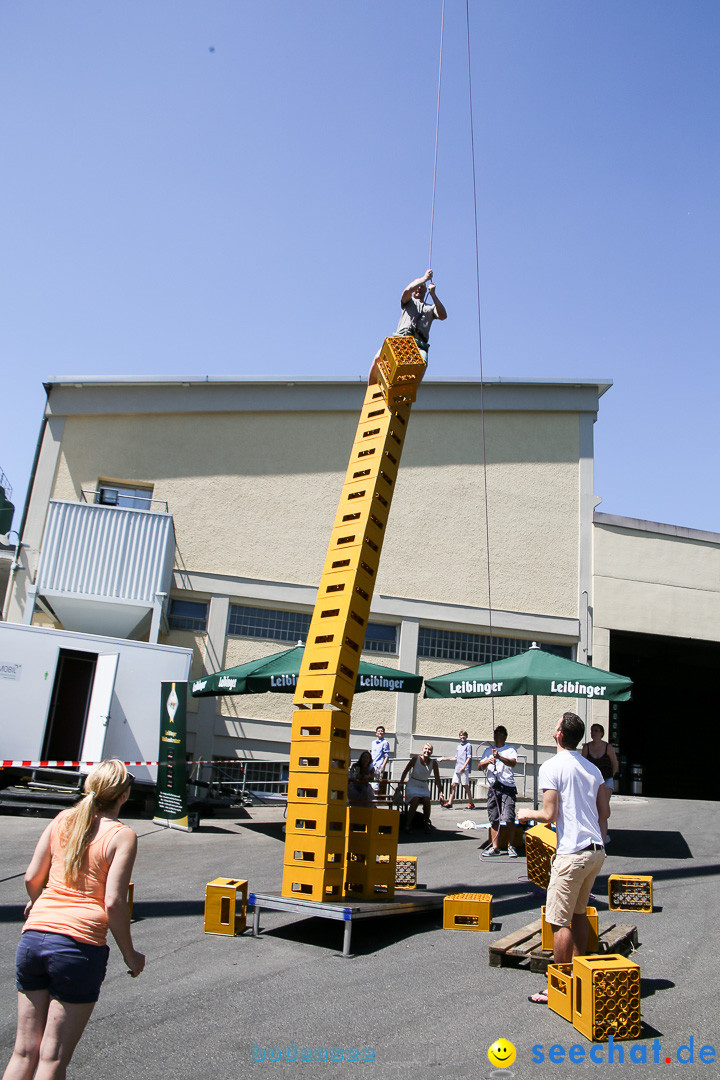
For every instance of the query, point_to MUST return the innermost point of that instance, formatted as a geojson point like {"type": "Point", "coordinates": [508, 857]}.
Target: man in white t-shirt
{"type": "Point", "coordinates": [498, 763]}
{"type": "Point", "coordinates": [575, 798]}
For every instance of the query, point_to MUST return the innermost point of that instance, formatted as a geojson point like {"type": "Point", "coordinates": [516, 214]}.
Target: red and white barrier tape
{"type": "Point", "coordinates": [77, 764]}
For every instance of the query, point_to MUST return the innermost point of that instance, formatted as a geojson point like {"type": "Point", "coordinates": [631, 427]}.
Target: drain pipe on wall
{"type": "Point", "coordinates": [14, 566]}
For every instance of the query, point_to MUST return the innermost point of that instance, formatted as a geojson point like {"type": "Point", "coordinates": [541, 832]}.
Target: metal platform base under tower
{"type": "Point", "coordinates": [345, 912]}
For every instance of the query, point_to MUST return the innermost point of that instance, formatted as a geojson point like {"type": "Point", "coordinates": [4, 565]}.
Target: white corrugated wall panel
{"type": "Point", "coordinates": [106, 551]}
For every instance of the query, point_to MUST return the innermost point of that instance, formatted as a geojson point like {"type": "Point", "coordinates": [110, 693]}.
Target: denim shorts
{"type": "Point", "coordinates": [69, 970]}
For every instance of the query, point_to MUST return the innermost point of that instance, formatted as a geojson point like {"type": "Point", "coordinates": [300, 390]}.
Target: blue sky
{"type": "Point", "coordinates": [218, 187]}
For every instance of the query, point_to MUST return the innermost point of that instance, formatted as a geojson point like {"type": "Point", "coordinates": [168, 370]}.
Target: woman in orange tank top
{"type": "Point", "coordinates": [77, 882]}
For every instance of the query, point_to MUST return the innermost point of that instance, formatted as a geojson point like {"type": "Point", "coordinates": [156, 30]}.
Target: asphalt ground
{"type": "Point", "coordinates": [414, 1001]}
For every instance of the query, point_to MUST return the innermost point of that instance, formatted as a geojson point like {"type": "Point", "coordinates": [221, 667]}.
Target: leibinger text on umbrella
{"type": "Point", "coordinates": [472, 687]}
{"type": "Point", "coordinates": [577, 688]}
{"type": "Point", "coordinates": [225, 683]}
{"type": "Point", "coordinates": [380, 682]}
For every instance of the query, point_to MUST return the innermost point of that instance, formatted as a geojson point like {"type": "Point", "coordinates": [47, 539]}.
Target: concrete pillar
{"type": "Point", "coordinates": [405, 710]}
{"type": "Point", "coordinates": [215, 658]}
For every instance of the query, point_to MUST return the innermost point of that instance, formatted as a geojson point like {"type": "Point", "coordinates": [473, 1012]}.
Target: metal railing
{"type": "Point", "coordinates": [243, 781]}
{"type": "Point", "coordinates": [247, 780]}
{"type": "Point", "coordinates": [478, 787]}
{"type": "Point", "coordinates": [94, 497]}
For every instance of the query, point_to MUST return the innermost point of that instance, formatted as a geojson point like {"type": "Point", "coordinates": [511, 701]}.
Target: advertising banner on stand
{"type": "Point", "coordinates": [171, 791]}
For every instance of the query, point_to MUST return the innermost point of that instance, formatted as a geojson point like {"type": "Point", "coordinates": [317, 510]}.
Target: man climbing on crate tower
{"type": "Point", "coordinates": [417, 316]}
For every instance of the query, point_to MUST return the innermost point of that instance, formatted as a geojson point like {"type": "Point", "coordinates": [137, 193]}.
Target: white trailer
{"type": "Point", "coordinates": [81, 697]}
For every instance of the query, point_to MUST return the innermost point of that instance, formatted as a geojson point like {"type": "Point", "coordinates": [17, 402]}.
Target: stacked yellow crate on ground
{"type": "Point", "coordinates": [317, 798]}
{"type": "Point", "coordinates": [598, 995]}
{"type": "Point", "coordinates": [371, 851]}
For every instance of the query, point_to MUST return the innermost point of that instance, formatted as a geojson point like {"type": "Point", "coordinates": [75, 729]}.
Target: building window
{"type": "Point", "coordinates": [466, 648]}
{"type": "Point", "coordinates": [268, 623]}
{"type": "Point", "coordinates": [272, 624]}
{"type": "Point", "coordinates": [381, 638]}
{"type": "Point", "coordinates": [111, 494]}
{"type": "Point", "coordinates": [188, 615]}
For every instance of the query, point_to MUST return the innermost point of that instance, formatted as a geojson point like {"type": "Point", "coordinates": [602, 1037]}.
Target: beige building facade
{"type": "Point", "coordinates": [205, 508]}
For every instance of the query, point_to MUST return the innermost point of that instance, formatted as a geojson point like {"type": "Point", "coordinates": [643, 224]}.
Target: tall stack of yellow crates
{"type": "Point", "coordinates": [330, 851]}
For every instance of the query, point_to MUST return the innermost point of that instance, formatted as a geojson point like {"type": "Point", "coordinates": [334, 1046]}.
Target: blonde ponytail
{"type": "Point", "coordinates": [103, 787]}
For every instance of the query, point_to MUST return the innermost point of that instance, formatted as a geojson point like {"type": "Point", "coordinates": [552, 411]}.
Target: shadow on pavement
{"type": "Point", "coordinates": [368, 936]}
{"type": "Point", "coordinates": [274, 829]}
{"type": "Point", "coordinates": [167, 909]}
{"type": "Point", "coordinates": [648, 987]}
{"type": "Point", "coordinates": [648, 844]}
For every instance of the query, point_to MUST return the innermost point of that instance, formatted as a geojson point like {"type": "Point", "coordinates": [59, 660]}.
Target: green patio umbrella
{"type": "Point", "coordinates": [532, 672]}
{"type": "Point", "coordinates": [278, 674]}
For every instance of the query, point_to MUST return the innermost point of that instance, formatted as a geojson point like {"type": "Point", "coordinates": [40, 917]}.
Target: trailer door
{"type": "Point", "coordinates": [98, 716]}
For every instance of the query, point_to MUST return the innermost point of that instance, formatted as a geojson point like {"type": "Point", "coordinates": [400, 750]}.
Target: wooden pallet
{"type": "Point", "coordinates": [524, 946]}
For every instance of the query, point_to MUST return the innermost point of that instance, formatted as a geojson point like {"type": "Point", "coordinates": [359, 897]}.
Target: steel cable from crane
{"type": "Point", "coordinates": [437, 132]}
{"type": "Point", "coordinates": [480, 354]}
{"type": "Point", "coordinates": [477, 289]}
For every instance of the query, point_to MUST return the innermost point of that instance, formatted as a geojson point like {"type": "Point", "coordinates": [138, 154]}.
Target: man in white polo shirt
{"type": "Point", "coordinates": [575, 798]}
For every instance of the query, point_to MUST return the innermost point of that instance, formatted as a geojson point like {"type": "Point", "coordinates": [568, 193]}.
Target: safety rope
{"type": "Point", "coordinates": [437, 132]}
{"type": "Point", "coordinates": [482, 378]}
{"type": "Point", "coordinates": [477, 289]}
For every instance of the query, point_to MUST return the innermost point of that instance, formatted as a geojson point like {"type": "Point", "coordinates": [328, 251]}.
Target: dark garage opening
{"type": "Point", "coordinates": [670, 727]}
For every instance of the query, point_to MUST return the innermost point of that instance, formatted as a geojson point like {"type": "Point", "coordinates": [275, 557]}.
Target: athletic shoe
{"type": "Point", "coordinates": [446, 806]}
{"type": "Point", "coordinates": [470, 806]}
{"type": "Point", "coordinates": [490, 851]}
{"type": "Point", "coordinates": [512, 852]}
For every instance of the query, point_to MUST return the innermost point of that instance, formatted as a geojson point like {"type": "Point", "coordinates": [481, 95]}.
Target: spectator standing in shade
{"type": "Point", "coordinates": [461, 777]}
{"type": "Point", "coordinates": [380, 753]}
{"type": "Point", "coordinates": [604, 758]}
{"type": "Point", "coordinates": [498, 763]}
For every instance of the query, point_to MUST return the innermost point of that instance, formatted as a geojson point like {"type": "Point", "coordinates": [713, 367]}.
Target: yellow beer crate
{"type": "Point", "coordinates": [540, 846]}
{"type": "Point", "coordinates": [467, 911]}
{"type": "Point", "coordinates": [547, 934]}
{"type": "Point", "coordinates": [630, 892]}
{"type": "Point", "coordinates": [560, 990]}
{"type": "Point", "coordinates": [304, 883]}
{"type": "Point", "coordinates": [606, 997]}
{"type": "Point", "coordinates": [225, 906]}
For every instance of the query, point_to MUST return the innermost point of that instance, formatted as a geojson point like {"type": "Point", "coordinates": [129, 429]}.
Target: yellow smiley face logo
{"type": "Point", "coordinates": [501, 1054]}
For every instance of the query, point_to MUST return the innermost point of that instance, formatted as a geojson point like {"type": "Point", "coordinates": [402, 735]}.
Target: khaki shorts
{"type": "Point", "coordinates": [571, 881]}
